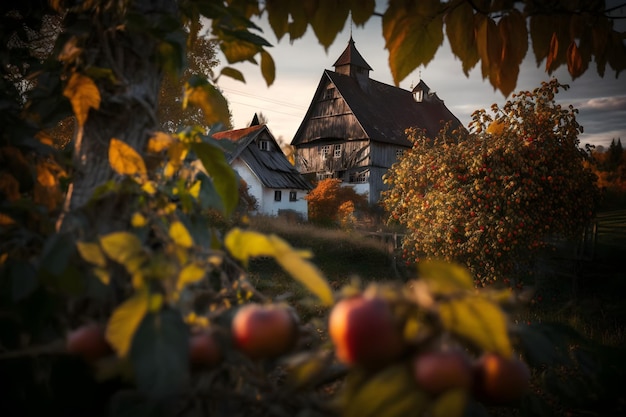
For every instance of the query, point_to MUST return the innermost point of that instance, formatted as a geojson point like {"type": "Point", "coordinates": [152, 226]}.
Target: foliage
{"type": "Point", "coordinates": [489, 197]}
{"type": "Point", "coordinates": [610, 168]}
{"type": "Point", "coordinates": [330, 203]}
{"type": "Point", "coordinates": [133, 247]}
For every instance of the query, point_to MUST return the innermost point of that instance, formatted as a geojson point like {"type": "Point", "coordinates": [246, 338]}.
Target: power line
{"type": "Point", "coordinates": [256, 107]}
{"type": "Point", "coordinates": [269, 100]}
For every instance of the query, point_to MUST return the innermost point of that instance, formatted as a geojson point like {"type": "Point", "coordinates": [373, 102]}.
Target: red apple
{"type": "Point", "coordinates": [204, 349]}
{"type": "Point", "coordinates": [88, 341]}
{"type": "Point", "coordinates": [365, 332]}
{"type": "Point", "coordinates": [498, 380]}
{"type": "Point", "coordinates": [437, 372]}
{"type": "Point", "coordinates": [264, 331]}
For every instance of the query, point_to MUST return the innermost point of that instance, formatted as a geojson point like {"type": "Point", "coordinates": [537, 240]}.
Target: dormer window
{"type": "Point", "coordinates": [264, 145]}
{"type": "Point", "coordinates": [418, 95]}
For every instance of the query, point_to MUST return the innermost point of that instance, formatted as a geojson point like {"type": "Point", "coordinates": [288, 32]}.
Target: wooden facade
{"type": "Point", "coordinates": [355, 127]}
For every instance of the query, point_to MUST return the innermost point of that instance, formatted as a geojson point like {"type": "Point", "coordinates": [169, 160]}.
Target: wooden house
{"type": "Point", "coordinates": [272, 179]}
{"type": "Point", "coordinates": [354, 128]}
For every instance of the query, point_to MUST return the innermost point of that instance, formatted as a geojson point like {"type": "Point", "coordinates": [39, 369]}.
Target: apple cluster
{"type": "Point", "coordinates": [258, 331]}
{"type": "Point", "coordinates": [367, 336]}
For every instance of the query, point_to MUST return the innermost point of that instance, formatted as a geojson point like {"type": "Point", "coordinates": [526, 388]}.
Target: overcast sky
{"type": "Point", "coordinates": [299, 68]}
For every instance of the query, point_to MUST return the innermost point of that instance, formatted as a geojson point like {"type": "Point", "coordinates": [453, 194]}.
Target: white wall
{"type": "Point", "coordinates": [265, 197]}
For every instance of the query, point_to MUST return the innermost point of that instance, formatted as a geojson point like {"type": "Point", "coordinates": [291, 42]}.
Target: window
{"type": "Point", "coordinates": [278, 195]}
{"type": "Point", "coordinates": [324, 151]}
{"type": "Point", "coordinates": [264, 145]}
{"type": "Point", "coordinates": [399, 153]}
{"type": "Point", "coordinates": [293, 195]}
{"type": "Point", "coordinates": [359, 176]}
{"type": "Point", "coordinates": [324, 175]}
{"type": "Point", "coordinates": [337, 153]}
{"type": "Point", "coordinates": [329, 93]}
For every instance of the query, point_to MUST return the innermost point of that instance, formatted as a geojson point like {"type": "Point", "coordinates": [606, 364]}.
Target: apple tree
{"type": "Point", "coordinates": [488, 197]}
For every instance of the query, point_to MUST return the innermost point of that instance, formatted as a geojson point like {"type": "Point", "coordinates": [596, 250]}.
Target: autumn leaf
{"type": "Point", "coordinates": [160, 141]}
{"type": "Point", "coordinates": [478, 320]}
{"type": "Point", "coordinates": [460, 31]}
{"type": "Point", "coordinates": [126, 318]}
{"type": "Point", "coordinates": [204, 95]}
{"type": "Point", "coordinates": [244, 245]}
{"type": "Point", "coordinates": [190, 274]}
{"type": "Point", "coordinates": [553, 53]}
{"type": "Point", "coordinates": [124, 248]}
{"type": "Point", "coordinates": [268, 68]}
{"type": "Point", "coordinates": [125, 160]}
{"type": "Point", "coordinates": [83, 95]}
{"type": "Point", "coordinates": [91, 253]}
{"type": "Point", "coordinates": [574, 61]}
{"type": "Point", "coordinates": [180, 235]}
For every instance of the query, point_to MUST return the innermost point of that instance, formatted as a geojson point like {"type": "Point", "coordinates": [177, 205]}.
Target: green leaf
{"type": "Point", "coordinates": [244, 245]}
{"type": "Point", "coordinates": [233, 73]}
{"type": "Point", "coordinates": [330, 17]}
{"type": "Point", "coordinates": [278, 17]}
{"type": "Point", "coordinates": [124, 248]}
{"type": "Point", "coordinates": [190, 274]}
{"type": "Point", "coordinates": [460, 32]}
{"type": "Point", "coordinates": [444, 277]}
{"type": "Point", "coordinates": [479, 321]}
{"type": "Point", "coordinates": [362, 10]}
{"type": "Point", "coordinates": [125, 320]}
{"type": "Point", "coordinates": [180, 235]}
{"type": "Point", "coordinates": [412, 36]}
{"type": "Point", "coordinates": [56, 254]}
{"type": "Point", "coordinates": [90, 252]}
{"type": "Point", "coordinates": [224, 178]}
{"type": "Point", "coordinates": [268, 68]}
{"type": "Point", "coordinates": [160, 355]}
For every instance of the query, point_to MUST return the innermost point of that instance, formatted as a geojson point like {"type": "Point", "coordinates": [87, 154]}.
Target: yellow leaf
{"type": "Point", "coordinates": [138, 220]}
{"type": "Point", "coordinates": [176, 153]}
{"type": "Point", "coordinates": [91, 253]}
{"type": "Point", "coordinates": [188, 275]}
{"type": "Point", "coordinates": [83, 95]}
{"type": "Point", "coordinates": [124, 321]}
{"type": "Point", "coordinates": [244, 245]}
{"type": "Point", "coordinates": [125, 160]}
{"type": "Point", "coordinates": [444, 277]}
{"type": "Point", "coordinates": [149, 187]}
{"type": "Point", "coordinates": [208, 98]}
{"type": "Point", "coordinates": [124, 248]}
{"type": "Point", "coordinates": [194, 190]}
{"type": "Point", "coordinates": [159, 142]}
{"type": "Point", "coordinates": [478, 320]}
{"type": "Point", "coordinates": [103, 275]}
{"type": "Point", "coordinates": [449, 404]}
{"type": "Point", "coordinates": [179, 233]}
{"type": "Point", "coordinates": [496, 127]}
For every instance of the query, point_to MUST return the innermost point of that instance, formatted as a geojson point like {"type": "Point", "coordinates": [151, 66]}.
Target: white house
{"type": "Point", "coordinates": [272, 180]}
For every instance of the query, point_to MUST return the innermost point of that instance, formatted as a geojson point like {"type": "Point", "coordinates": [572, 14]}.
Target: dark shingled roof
{"type": "Point", "coordinates": [271, 166]}
{"type": "Point", "coordinates": [351, 56]}
{"type": "Point", "coordinates": [383, 111]}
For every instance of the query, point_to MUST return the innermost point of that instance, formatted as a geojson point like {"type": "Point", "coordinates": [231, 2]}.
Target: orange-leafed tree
{"type": "Point", "coordinates": [489, 196]}
{"type": "Point", "coordinates": [331, 203]}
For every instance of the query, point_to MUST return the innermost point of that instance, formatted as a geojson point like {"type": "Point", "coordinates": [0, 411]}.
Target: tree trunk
{"type": "Point", "coordinates": [127, 112]}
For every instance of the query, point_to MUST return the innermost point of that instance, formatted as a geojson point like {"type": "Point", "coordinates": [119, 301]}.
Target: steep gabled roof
{"type": "Point", "coordinates": [383, 111]}
{"type": "Point", "coordinates": [271, 166]}
{"type": "Point", "coordinates": [350, 56]}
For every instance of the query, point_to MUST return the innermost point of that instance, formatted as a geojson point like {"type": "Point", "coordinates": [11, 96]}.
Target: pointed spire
{"type": "Point", "coordinates": [255, 120]}
{"type": "Point", "coordinates": [351, 57]}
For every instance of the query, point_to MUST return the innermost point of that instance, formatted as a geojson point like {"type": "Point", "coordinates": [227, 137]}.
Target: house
{"type": "Point", "coordinates": [354, 128]}
{"type": "Point", "coordinates": [272, 180]}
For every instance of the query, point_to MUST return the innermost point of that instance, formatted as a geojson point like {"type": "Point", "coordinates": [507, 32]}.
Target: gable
{"type": "Point", "coordinates": [269, 164]}
{"type": "Point", "coordinates": [381, 112]}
